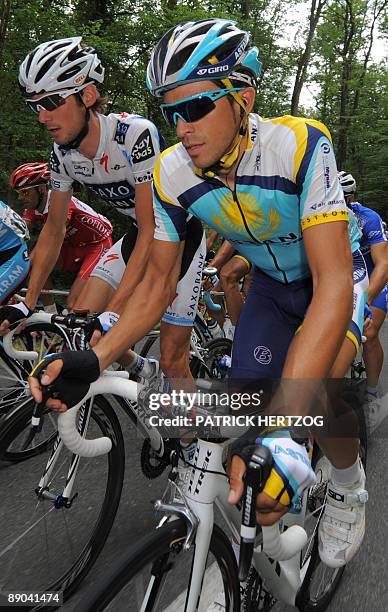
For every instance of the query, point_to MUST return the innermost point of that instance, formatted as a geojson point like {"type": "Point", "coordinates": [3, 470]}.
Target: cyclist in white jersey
{"type": "Point", "coordinates": [271, 188]}
{"type": "Point", "coordinates": [114, 156]}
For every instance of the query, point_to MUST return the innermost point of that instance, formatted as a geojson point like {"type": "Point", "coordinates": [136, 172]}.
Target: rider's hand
{"type": "Point", "coordinates": [291, 474]}
{"type": "Point", "coordinates": [103, 323]}
{"type": "Point", "coordinates": [51, 373]}
{"type": "Point", "coordinates": [11, 316]}
{"type": "Point", "coordinates": [68, 374]}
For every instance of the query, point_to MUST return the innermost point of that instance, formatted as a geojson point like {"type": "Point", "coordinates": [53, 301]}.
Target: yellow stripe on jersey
{"type": "Point", "coordinates": [326, 217]}
{"type": "Point", "coordinates": [157, 175]}
{"type": "Point", "coordinates": [299, 128]}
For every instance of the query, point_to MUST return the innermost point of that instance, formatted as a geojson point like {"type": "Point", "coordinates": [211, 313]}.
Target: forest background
{"type": "Point", "coordinates": [321, 58]}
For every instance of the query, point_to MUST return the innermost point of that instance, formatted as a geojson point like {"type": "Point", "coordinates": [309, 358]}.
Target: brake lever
{"type": "Point", "coordinates": [258, 470]}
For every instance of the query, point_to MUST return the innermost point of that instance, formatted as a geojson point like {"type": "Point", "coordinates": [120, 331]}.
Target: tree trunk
{"type": "Point", "coordinates": [344, 117]}
{"type": "Point", "coordinates": [315, 14]}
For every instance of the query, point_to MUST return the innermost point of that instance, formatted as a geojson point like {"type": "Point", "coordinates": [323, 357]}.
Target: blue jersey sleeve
{"type": "Point", "coordinates": [373, 228]}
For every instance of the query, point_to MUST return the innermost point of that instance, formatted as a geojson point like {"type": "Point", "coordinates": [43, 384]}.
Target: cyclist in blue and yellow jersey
{"type": "Point", "coordinates": [14, 258]}
{"type": "Point", "coordinates": [374, 247]}
{"type": "Point", "coordinates": [270, 187]}
{"type": "Point", "coordinates": [113, 156]}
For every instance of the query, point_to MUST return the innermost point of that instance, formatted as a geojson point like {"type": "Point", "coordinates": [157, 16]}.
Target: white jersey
{"type": "Point", "coordinates": [126, 155]}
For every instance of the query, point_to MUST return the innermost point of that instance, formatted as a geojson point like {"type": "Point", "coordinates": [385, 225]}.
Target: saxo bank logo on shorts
{"type": "Point", "coordinates": [262, 354]}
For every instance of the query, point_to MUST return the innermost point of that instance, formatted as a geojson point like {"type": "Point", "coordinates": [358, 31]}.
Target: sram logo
{"type": "Point", "coordinates": [213, 70]}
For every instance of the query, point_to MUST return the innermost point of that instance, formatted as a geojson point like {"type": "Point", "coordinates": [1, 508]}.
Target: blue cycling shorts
{"type": "Point", "coordinates": [13, 272]}
{"type": "Point", "coordinates": [381, 300]}
{"type": "Point", "coordinates": [271, 316]}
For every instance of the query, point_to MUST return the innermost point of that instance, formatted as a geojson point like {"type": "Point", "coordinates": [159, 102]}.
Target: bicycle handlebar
{"type": "Point", "coordinates": [70, 321]}
{"type": "Point", "coordinates": [66, 420]}
{"type": "Point", "coordinates": [283, 546]}
{"type": "Point", "coordinates": [40, 317]}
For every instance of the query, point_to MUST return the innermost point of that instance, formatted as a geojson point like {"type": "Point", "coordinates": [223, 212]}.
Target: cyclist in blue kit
{"type": "Point", "coordinates": [14, 258]}
{"type": "Point", "coordinates": [270, 187]}
{"type": "Point", "coordinates": [374, 247]}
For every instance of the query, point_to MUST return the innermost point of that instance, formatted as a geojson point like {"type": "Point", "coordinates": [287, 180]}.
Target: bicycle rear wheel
{"type": "Point", "coordinates": [156, 574]}
{"type": "Point", "coordinates": [44, 545]}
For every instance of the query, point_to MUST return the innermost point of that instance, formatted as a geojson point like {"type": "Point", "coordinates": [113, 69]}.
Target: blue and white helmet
{"type": "Point", "coordinates": [211, 49]}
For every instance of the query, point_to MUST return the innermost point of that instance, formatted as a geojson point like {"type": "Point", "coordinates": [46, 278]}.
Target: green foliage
{"type": "Point", "coordinates": [124, 34]}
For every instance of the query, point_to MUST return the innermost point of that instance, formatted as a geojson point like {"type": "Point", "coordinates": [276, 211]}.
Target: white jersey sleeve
{"type": "Point", "coordinates": [321, 196]}
{"type": "Point", "coordinates": [60, 179]}
{"type": "Point", "coordinates": [142, 146]}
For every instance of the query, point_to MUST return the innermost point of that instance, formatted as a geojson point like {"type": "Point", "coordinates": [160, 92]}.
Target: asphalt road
{"type": "Point", "coordinates": [365, 582]}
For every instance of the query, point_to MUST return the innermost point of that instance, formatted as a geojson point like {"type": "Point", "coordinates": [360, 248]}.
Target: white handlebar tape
{"type": "Point", "coordinates": [77, 444]}
{"type": "Point", "coordinates": [282, 547]}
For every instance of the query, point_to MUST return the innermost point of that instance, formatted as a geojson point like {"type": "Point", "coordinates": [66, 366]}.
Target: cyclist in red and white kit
{"type": "Point", "coordinates": [88, 234]}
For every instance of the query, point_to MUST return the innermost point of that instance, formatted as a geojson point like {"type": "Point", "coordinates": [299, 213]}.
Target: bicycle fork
{"type": "Point", "coordinates": [64, 499]}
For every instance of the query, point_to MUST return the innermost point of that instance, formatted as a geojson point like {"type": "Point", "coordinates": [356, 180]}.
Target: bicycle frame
{"type": "Point", "coordinates": [201, 485]}
{"type": "Point", "coordinates": [200, 490]}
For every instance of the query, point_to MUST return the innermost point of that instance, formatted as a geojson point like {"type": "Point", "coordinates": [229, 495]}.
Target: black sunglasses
{"type": "Point", "coordinates": [195, 107]}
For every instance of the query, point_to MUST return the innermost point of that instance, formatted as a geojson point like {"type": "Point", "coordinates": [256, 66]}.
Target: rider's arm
{"type": "Point", "coordinates": [49, 244]}
{"type": "Point", "coordinates": [328, 316]}
{"type": "Point", "coordinates": [147, 303]}
{"type": "Point", "coordinates": [379, 277]}
{"type": "Point", "coordinates": [224, 253]}
{"type": "Point", "coordinates": [137, 262]}
{"type": "Point", "coordinates": [211, 240]}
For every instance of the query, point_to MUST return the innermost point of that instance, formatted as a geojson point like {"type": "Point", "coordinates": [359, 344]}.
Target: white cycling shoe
{"type": "Point", "coordinates": [375, 412]}
{"type": "Point", "coordinates": [342, 527]}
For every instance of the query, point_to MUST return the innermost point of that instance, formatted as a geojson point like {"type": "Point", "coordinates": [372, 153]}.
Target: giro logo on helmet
{"type": "Point", "coordinates": [213, 70]}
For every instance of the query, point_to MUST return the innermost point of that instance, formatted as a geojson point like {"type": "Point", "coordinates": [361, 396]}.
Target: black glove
{"type": "Point", "coordinates": [14, 314]}
{"type": "Point", "coordinates": [102, 323]}
{"type": "Point", "coordinates": [80, 368]}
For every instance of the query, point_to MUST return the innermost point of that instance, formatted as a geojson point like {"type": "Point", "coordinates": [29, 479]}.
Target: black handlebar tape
{"type": "Point", "coordinates": [258, 470]}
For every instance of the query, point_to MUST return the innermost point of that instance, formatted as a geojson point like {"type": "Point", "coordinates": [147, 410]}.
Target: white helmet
{"type": "Point", "coordinates": [60, 65]}
{"type": "Point", "coordinates": [347, 182]}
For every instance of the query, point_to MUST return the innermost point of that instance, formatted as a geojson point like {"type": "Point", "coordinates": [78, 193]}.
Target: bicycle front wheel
{"type": "Point", "coordinates": [156, 573]}
{"type": "Point", "coordinates": [48, 543]}
{"type": "Point", "coordinates": [44, 338]}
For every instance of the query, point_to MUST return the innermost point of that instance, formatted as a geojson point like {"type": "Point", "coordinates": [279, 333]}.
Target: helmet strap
{"type": "Point", "coordinates": [75, 143]}
{"type": "Point", "coordinates": [230, 156]}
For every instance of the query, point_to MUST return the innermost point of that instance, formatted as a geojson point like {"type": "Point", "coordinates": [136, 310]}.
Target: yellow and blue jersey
{"type": "Point", "coordinates": [286, 182]}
